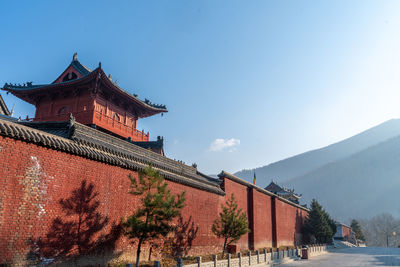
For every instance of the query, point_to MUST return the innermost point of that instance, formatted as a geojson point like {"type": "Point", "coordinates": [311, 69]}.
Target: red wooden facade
{"type": "Point", "coordinates": [92, 98]}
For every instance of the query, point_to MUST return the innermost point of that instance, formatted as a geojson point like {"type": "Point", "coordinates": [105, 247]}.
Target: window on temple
{"type": "Point", "coordinates": [70, 76]}
{"type": "Point", "coordinates": [116, 117]}
{"type": "Point", "coordinates": [63, 111]}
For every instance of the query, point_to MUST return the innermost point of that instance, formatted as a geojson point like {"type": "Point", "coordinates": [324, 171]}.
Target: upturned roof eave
{"type": "Point", "coordinates": [118, 89]}
{"type": "Point", "coordinates": [20, 91]}
{"type": "Point", "coordinates": [41, 87]}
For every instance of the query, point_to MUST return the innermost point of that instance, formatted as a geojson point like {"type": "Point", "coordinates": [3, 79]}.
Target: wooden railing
{"type": "Point", "coordinates": [112, 124]}
{"type": "Point", "coordinates": [101, 120]}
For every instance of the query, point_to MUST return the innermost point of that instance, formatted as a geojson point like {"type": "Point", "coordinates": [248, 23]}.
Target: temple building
{"type": "Point", "coordinates": [84, 138]}
{"type": "Point", "coordinates": [93, 99]}
{"type": "Point", "coordinates": [344, 232]}
{"type": "Point", "coordinates": [283, 192]}
{"type": "Point", "coordinates": [44, 163]}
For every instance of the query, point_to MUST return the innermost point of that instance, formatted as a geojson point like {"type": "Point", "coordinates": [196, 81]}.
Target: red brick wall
{"type": "Point", "coordinates": [241, 196]}
{"type": "Point", "coordinates": [34, 179]}
{"type": "Point", "coordinates": [346, 232]}
{"type": "Point", "coordinates": [202, 208]}
{"type": "Point", "coordinates": [258, 205]}
{"type": "Point", "coordinates": [289, 220]}
{"type": "Point", "coordinates": [262, 220]}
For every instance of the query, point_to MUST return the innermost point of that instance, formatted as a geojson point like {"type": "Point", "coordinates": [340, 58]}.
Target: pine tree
{"type": "Point", "coordinates": [332, 226]}
{"type": "Point", "coordinates": [231, 224]}
{"type": "Point", "coordinates": [319, 224]}
{"type": "Point", "coordinates": [157, 209]}
{"type": "Point", "coordinates": [356, 227]}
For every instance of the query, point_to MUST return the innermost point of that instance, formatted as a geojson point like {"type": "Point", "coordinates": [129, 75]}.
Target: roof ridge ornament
{"type": "Point", "coordinates": [71, 125]}
{"type": "Point", "coordinates": [148, 102]}
{"type": "Point", "coordinates": [75, 57]}
{"type": "Point", "coordinates": [71, 119]}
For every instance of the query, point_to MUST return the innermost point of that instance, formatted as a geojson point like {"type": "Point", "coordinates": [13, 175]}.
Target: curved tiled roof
{"type": "Point", "coordinates": [75, 138]}
{"type": "Point", "coordinates": [273, 187]}
{"type": "Point", "coordinates": [28, 88]}
{"type": "Point", "coordinates": [76, 65]}
{"type": "Point", "coordinates": [82, 69]}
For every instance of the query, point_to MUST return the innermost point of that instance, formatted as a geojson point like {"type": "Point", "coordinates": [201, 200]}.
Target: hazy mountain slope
{"type": "Point", "coordinates": [307, 162]}
{"type": "Point", "coordinates": [361, 185]}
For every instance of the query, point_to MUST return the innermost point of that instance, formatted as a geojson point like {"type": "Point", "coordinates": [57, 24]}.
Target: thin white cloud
{"type": "Point", "coordinates": [220, 144]}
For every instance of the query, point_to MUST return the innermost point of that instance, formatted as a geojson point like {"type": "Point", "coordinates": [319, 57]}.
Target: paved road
{"type": "Point", "coordinates": [353, 257]}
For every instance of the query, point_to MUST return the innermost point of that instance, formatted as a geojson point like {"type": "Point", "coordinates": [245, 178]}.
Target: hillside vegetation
{"type": "Point", "coordinates": [357, 177]}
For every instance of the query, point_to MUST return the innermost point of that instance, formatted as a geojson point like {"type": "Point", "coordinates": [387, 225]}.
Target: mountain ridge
{"type": "Point", "coordinates": [358, 177]}
{"type": "Point", "coordinates": [300, 164]}
{"type": "Point", "coordinates": [361, 185]}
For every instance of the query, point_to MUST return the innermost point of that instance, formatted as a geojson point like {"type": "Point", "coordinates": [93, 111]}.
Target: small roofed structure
{"type": "Point", "coordinates": [283, 192]}
{"type": "Point", "coordinates": [3, 108]}
{"type": "Point", "coordinates": [155, 146]}
{"type": "Point", "coordinates": [92, 98]}
{"type": "Point", "coordinates": [344, 232]}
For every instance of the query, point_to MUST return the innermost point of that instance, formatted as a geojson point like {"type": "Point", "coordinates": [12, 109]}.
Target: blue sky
{"type": "Point", "coordinates": [246, 83]}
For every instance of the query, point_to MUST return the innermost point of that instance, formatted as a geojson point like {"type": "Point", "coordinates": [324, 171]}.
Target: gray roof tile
{"type": "Point", "coordinates": [78, 139]}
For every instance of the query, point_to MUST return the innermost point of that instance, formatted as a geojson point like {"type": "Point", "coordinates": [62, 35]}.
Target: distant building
{"type": "Point", "coordinates": [283, 192]}
{"type": "Point", "coordinates": [344, 232]}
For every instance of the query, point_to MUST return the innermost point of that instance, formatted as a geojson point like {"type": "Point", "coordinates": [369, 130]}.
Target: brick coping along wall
{"type": "Point", "coordinates": [44, 163]}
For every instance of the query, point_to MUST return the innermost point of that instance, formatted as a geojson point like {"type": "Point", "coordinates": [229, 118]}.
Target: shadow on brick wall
{"type": "Point", "coordinates": [79, 232]}
{"type": "Point", "coordinates": [298, 236]}
{"type": "Point", "coordinates": [181, 241]}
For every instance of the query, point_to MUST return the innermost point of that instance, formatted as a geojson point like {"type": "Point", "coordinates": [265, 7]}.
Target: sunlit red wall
{"type": "Point", "coordinates": [262, 229]}
{"type": "Point", "coordinates": [289, 220]}
{"type": "Point", "coordinates": [346, 232]}
{"type": "Point", "coordinates": [34, 179]}
{"type": "Point", "coordinates": [241, 195]}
